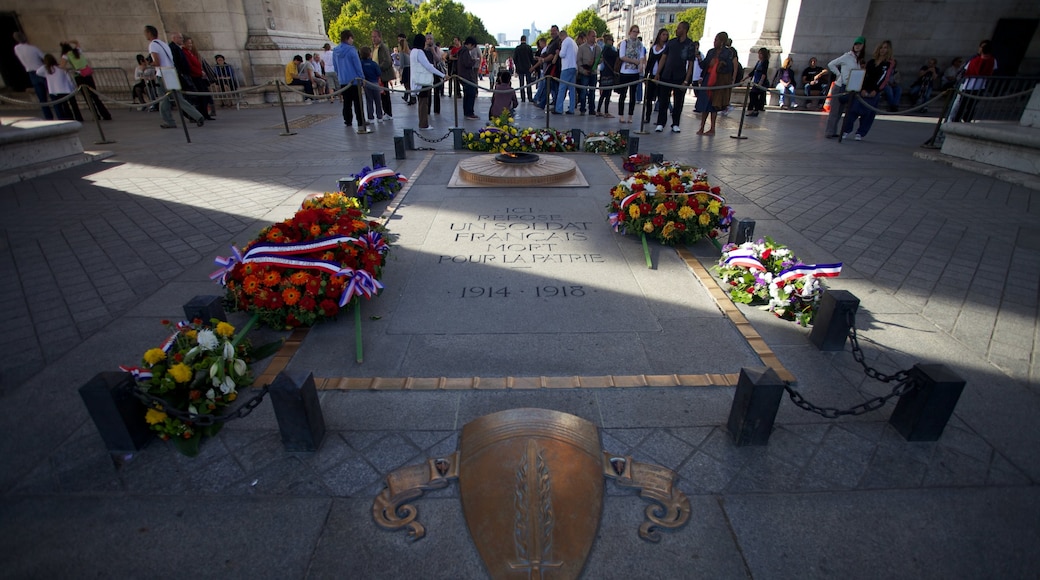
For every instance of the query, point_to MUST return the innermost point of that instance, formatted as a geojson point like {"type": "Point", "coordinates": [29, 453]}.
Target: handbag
{"type": "Point", "coordinates": [421, 76]}
{"type": "Point", "coordinates": [85, 71]}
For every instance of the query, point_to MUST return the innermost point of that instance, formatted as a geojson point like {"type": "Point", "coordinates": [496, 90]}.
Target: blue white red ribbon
{"type": "Point", "coordinates": [616, 222]}
{"type": "Point", "coordinates": [263, 252]}
{"type": "Point", "coordinates": [361, 283]}
{"type": "Point", "coordinates": [377, 174]}
{"type": "Point", "coordinates": [327, 266]}
{"type": "Point", "coordinates": [631, 197]}
{"type": "Point", "coordinates": [373, 241]}
{"type": "Point", "coordinates": [139, 374]}
{"type": "Point", "coordinates": [745, 258]}
{"type": "Point", "coordinates": [816, 270]}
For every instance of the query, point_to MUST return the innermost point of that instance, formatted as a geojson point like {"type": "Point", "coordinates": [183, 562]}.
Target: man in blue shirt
{"type": "Point", "coordinates": [348, 67]}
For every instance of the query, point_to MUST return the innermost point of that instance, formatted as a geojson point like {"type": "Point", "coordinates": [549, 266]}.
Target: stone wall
{"type": "Point", "coordinates": [258, 37]}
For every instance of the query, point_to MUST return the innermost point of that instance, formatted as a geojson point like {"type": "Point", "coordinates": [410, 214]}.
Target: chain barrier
{"type": "Point", "coordinates": [904, 383]}
{"type": "Point", "coordinates": [437, 140]}
{"type": "Point", "coordinates": [202, 420]}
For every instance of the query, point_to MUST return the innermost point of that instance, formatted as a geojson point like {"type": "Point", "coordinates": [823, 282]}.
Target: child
{"type": "Point", "coordinates": [504, 98]}
{"type": "Point", "coordinates": [59, 85]}
{"type": "Point", "coordinates": [372, 88]}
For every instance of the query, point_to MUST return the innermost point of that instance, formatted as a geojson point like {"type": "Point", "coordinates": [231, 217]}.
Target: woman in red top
{"type": "Point", "coordinates": [981, 65]}
{"type": "Point", "coordinates": [203, 103]}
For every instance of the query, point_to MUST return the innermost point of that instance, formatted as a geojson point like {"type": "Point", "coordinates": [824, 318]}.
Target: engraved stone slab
{"type": "Point", "coordinates": [522, 264]}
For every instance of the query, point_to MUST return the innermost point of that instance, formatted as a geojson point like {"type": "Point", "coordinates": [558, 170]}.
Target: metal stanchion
{"type": "Point", "coordinates": [455, 98]}
{"type": "Point", "coordinates": [646, 105]}
{"type": "Point", "coordinates": [362, 122]}
{"type": "Point", "coordinates": [97, 119]}
{"type": "Point", "coordinates": [743, 111]}
{"type": "Point", "coordinates": [180, 112]}
{"type": "Point", "coordinates": [930, 143]}
{"type": "Point", "coordinates": [548, 99]}
{"type": "Point", "coordinates": [281, 104]}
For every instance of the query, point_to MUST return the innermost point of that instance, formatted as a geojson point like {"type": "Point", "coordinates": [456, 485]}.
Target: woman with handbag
{"type": "Point", "coordinates": [73, 59]}
{"type": "Point", "coordinates": [424, 75]}
{"type": "Point", "coordinates": [607, 76]}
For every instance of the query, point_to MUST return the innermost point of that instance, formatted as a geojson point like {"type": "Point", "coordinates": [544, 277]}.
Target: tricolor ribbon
{"type": "Point", "coordinates": [378, 173]}
{"type": "Point", "coordinates": [629, 199]}
{"type": "Point", "coordinates": [166, 346]}
{"type": "Point", "coordinates": [361, 283]}
{"type": "Point", "coordinates": [139, 374]}
{"type": "Point", "coordinates": [745, 258]}
{"type": "Point", "coordinates": [297, 262]}
{"type": "Point", "coordinates": [816, 270]}
{"type": "Point", "coordinates": [373, 241]}
{"type": "Point", "coordinates": [226, 265]}
{"type": "Point", "coordinates": [269, 252]}
{"type": "Point", "coordinates": [616, 222]}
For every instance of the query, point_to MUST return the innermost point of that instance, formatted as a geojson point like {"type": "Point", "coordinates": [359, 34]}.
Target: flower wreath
{"type": "Point", "coordinates": [503, 135]}
{"type": "Point", "coordinates": [672, 203]}
{"type": "Point", "coordinates": [608, 142]}
{"type": "Point", "coordinates": [305, 269]}
{"type": "Point", "coordinates": [767, 273]}
{"type": "Point", "coordinates": [636, 162]}
{"type": "Point", "coordinates": [377, 183]}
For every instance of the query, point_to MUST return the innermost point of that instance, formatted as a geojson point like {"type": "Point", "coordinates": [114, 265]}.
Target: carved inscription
{"type": "Point", "coordinates": [520, 237]}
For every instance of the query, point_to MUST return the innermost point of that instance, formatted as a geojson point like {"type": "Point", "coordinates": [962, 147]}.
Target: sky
{"type": "Point", "coordinates": [513, 17]}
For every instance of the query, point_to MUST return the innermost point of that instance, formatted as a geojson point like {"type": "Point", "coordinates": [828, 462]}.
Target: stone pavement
{"type": "Point", "coordinates": [940, 259]}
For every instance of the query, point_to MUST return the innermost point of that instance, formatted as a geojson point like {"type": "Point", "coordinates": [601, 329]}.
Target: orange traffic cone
{"type": "Point", "coordinates": [827, 102]}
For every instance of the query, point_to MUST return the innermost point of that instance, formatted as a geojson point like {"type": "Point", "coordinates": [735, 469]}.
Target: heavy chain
{"type": "Point", "coordinates": [904, 383]}
{"type": "Point", "coordinates": [865, 407]}
{"type": "Point", "coordinates": [857, 354]}
{"type": "Point", "coordinates": [151, 401]}
{"type": "Point", "coordinates": [419, 135]}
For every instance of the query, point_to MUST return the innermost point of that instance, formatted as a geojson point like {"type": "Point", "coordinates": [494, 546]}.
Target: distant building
{"type": "Point", "coordinates": [648, 15]}
{"type": "Point", "coordinates": [501, 36]}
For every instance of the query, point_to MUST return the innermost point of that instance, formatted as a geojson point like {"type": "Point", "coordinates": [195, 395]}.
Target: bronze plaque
{"type": "Point", "coordinates": [531, 484]}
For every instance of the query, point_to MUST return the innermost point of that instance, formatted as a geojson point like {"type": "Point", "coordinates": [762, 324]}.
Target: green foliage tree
{"type": "Point", "coordinates": [363, 16]}
{"type": "Point", "coordinates": [330, 9]}
{"type": "Point", "coordinates": [695, 16]}
{"type": "Point", "coordinates": [444, 18]}
{"type": "Point", "coordinates": [584, 21]}
{"type": "Point", "coordinates": [479, 31]}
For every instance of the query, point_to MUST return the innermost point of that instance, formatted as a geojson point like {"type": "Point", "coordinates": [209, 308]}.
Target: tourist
{"type": "Point", "coordinates": [653, 60]}
{"type": "Point", "coordinates": [879, 71]}
{"type": "Point", "coordinates": [406, 69]}
{"type": "Point", "coordinates": [492, 65]}
{"type": "Point", "coordinates": [842, 68]}
{"type": "Point", "coordinates": [759, 73]}
{"type": "Point", "coordinates": [348, 67]}
{"type": "Point", "coordinates": [588, 59]}
{"type": "Point", "coordinates": [541, 94]}
{"type": "Point", "coordinates": [31, 58]}
{"type": "Point", "coordinates": [893, 91]}
{"type": "Point", "coordinates": [226, 80]}
{"type": "Point", "coordinates": [162, 58]}
{"type": "Point", "coordinates": [721, 69]}
{"type": "Point", "coordinates": [927, 77]}
{"type": "Point", "coordinates": [632, 54]}
{"type": "Point", "coordinates": [677, 66]}
{"type": "Point", "coordinates": [784, 81]}
{"type": "Point", "coordinates": [952, 74]}
{"type": "Point", "coordinates": [295, 76]}
{"type": "Point", "coordinates": [812, 80]}
{"type": "Point", "coordinates": [370, 68]}
{"type": "Point", "coordinates": [523, 56]}
{"type": "Point", "coordinates": [73, 59]}
{"type": "Point", "coordinates": [329, 66]}
{"type": "Point", "coordinates": [199, 77]}
{"type": "Point", "coordinates": [504, 98]}
{"type": "Point", "coordinates": [568, 73]}
{"type": "Point", "coordinates": [59, 86]}
{"type": "Point", "coordinates": [468, 67]}
{"type": "Point", "coordinates": [607, 76]}
{"type": "Point", "coordinates": [184, 73]}
{"type": "Point", "coordinates": [551, 65]}
{"type": "Point", "coordinates": [144, 76]}
{"type": "Point", "coordinates": [981, 65]}
{"type": "Point", "coordinates": [381, 55]}
{"type": "Point", "coordinates": [454, 90]}
{"type": "Point", "coordinates": [434, 55]}
{"type": "Point", "coordinates": [424, 75]}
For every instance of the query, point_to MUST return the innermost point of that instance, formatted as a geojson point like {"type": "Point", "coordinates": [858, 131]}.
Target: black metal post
{"type": "Point", "coordinates": [743, 111]}
{"type": "Point", "coordinates": [576, 135]}
{"type": "Point", "coordinates": [741, 232]}
{"type": "Point", "coordinates": [205, 308]}
{"type": "Point", "coordinates": [831, 326]}
{"type": "Point", "coordinates": [922, 413]}
{"type": "Point", "coordinates": [298, 412]}
{"type": "Point", "coordinates": [456, 142]}
{"type": "Point", "coordinates": [657, 158]}
{"type": "Point", "coordinates": [378, 160]}
{"type": "Point", "coordinates": [97, 117]}
{"type": "Point", "coordinates": [409, 139]}
{"type": "Point", "coordinates": [399, 148]}
{"type": "Point", "coordinates": [117, 413]}
{"type": "Point", "coordinates": [348, 186]}
{"type": "Point", "coordinates": [755, 404]}
{"type": "Point", "coordinates": [281, 104]}
{"type": "Point", "coordinates": [363, 128]}
{"type": "Point", "coordinates": [947, 106]}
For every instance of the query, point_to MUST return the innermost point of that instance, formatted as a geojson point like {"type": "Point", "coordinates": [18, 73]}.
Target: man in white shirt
{"type": "Point", "coordinates": [162, 56]}
{"type": "Point", "coordinates": [568, 73]}
{"type": "Point", "coordinates": [32, 59]}
{"type": "Point", "coordinates": [330, 67]}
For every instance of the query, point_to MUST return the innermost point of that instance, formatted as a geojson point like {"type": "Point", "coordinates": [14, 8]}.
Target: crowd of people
{"type": "Point", "coordinates": [565, 70]}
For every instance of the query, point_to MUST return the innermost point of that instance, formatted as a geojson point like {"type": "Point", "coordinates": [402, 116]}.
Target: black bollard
{"type": "Point", "coordinates": [576, 135]}
{"type": "Point", "coordinates": [298, 411]}
{"type": "Point", "coordinates": [457, 138]}
{"type": "Point", "coordinates": [205, 308]}
{"type": "Point", "coordinates": [741, 232]}
{"type": "Point", "coordinates": [831, 326]}
{"type": "Point", "coordinates": [754, 406]}
{"type": "Point", "coordinates": [633, 146]}
{"type": "Point", "coordinates": [657, 158]}
{"type": "Point", "coordinates": [348, 185]}
{"type": "Point", "coordinates": [399, 148]}
{"type": "Point", "coordinates": [117, 413]}
{"type": "Point", "coordinates": [409, 139]}
{"type": "Point", "coordinates": [378, 160]}
{"type": "Point", "coordinates": [922, 413]}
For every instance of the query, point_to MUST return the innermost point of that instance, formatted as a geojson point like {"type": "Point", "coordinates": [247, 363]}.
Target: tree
{"type": "Point", "coordinates": [479, 32]}
{"type": "Point", "coordinates": [695, 16]}
{"type": "Point", "coordinates": [444, 18]}
{"type": "Point", "coordinates": [363, 16]}
{"type": "Point", "coordinates": [585, 21]}
{"type": "Point", "coordinates": [330, 9]}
